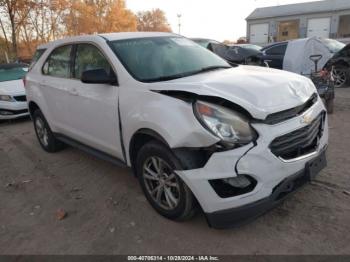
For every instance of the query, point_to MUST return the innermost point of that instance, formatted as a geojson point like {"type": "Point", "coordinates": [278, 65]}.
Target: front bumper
{"type": "Point", "coordinates": [13, 110]}
{"type": "Point", "coordinates": [244, 214]}
{"type": "Point", "coordinates": [254, 160]}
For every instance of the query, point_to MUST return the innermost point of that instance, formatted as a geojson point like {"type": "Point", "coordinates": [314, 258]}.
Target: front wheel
{"type": "Point", "coordinates": [163, 188]}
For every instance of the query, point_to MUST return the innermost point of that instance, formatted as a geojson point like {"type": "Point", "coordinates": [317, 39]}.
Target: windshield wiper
{"type": "Point", "coordinates": [181, 75]}
{"type": "Point", "coordinates": [167, 78]}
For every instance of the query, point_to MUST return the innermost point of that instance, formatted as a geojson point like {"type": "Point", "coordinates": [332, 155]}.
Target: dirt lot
{"type": "Point", "coordinates": [107, 213]}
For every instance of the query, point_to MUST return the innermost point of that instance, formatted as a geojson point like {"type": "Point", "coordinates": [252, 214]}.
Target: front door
{"type": "Point", "coordinates": [93, 108]}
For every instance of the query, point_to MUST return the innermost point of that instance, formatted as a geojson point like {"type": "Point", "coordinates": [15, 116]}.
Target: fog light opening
{"type": "Point", "coordinates": [233, 186]}
{"type": "Point", "coordinates": [239, 181]}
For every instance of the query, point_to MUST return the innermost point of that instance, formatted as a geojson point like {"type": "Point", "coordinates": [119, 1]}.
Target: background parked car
{"type": "Point", "coordinates": [341, 67]}
{"type": "Point", "coordinates": [249, 46]}
{"type": "Point", "coordinates": [335, 54]}
{"type": "Point", "coordinates": [12, 94]}
{"type": "Point", "coordinates": [205, 42]}
{"type": "Point", "coordinates": [274, 54]}
{"type": "Point", "coordinates": [236, 54]}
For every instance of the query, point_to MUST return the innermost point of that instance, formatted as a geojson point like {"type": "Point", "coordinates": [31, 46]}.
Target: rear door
{"type": "Point", "coordinates": [93, 108]}
{"type": "Point", "coordinates": [54, 85]}
{"type": "Point", "coordinates": [274, 55]}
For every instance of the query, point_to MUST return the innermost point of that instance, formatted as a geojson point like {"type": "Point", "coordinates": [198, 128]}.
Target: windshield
{"type": "Point", "coordinates": [12, 72]}
{"type": "Point", "coordinates": [164, 58]}
{"type": "Point", "coordinates": [333, 46]}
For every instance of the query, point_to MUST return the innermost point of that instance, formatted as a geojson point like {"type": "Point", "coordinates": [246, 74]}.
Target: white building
{"type": "Point", "coordinates": [328, 18]}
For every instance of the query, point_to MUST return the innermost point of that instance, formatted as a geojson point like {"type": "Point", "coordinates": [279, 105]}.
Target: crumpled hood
{"type": "Point", "coordinates": [261, 91]}
{"type": "Point", "coordinates": [14, 87]}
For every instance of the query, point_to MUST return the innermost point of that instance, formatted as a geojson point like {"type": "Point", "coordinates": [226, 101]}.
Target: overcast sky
{"type": "Point", "coordinates": [216, 19]}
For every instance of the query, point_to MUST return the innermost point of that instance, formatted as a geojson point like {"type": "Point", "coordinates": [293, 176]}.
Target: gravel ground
{"type": "Point", "coordinates": [108, 214]}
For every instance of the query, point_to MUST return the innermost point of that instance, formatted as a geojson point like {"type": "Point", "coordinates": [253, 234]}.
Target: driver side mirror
{"type": "Point", "coordinates": [98, 76]}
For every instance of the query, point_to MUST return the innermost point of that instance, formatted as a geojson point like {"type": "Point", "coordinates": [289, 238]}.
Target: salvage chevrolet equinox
{"type": "Point", "coordinates": [197, 132]}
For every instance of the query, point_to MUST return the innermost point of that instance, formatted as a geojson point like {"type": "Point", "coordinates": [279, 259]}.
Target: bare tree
{"type": "Point", "coordinates": [16, 11]}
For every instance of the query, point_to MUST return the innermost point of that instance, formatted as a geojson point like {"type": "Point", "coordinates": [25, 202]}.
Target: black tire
{"type": "Point", "coordinates": [330, 106]}
{"type": "Point", "coordinates": [186, 204]}
{"type": "Point", "coordinates": [341, 76]}
{"type": "Point", "coordinates": [50, 143]}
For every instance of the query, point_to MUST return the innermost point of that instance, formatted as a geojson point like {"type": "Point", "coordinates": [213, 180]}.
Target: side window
{"type": "Point", "coordinates": [277, 50]}
{"type": "Point", "coordinates": [89, 57]}
{"type": "Point", "coordinates": [58, 63]}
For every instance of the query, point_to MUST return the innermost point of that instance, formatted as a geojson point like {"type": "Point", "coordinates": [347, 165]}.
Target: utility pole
{"type": "Point", "coordinates": [7, 58]}
{"type": "Point", "coordinates": [179, 24]}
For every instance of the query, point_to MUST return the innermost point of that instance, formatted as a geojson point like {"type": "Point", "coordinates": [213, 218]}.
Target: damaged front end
{"type": "Point", "coordinates": [240, 177]}
{"type": "Point", "coordinates": [232, 125]}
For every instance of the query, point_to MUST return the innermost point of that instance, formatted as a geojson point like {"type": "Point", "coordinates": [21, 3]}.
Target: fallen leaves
{"type": "Point", "coordinates": [61, 214]}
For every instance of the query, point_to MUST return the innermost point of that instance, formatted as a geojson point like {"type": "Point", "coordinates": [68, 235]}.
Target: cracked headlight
{"type": "Point", "coordinates": [231, 127]}
{"type": "Point", "coordinates": [6, 98]}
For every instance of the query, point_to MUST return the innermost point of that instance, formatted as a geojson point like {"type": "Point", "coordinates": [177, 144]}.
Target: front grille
{"type": "Point", "coordinates": [20, 98]}
{"type": "Point", "coordinates": [299, 142]}
{"type": "Point", "coordinates": [291, 113]}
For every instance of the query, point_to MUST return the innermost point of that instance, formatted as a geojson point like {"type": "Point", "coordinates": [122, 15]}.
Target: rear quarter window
{"type": "Point", "coordinates": [36, 57]}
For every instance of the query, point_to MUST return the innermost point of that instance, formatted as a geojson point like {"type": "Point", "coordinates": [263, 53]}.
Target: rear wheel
{"type": "Point", "coordinates": [163, 188]}
{"type": "Point", "coordinates": [44, 134]}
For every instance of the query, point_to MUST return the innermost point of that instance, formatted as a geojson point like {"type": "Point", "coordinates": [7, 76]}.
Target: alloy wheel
{"type": "Point", "coordinates": [339, 77]}
{"type": "Point", "coordinates": [161, 183]}
{"type": "Point", "coordinates": [42, 131]}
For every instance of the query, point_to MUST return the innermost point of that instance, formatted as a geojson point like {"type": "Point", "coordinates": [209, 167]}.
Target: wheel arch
{"type": "Point", "coordinates": [189, 157]}
{"type": "Point", "coordinates": [32, 106]}
{"type": "Point", "coordinates": [341, 62]}
{"type": "Point", "coordinates": [140, 138]}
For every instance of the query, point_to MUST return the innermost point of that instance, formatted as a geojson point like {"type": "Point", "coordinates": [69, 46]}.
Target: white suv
{"type": "Point", "coordinates": [196, 131]}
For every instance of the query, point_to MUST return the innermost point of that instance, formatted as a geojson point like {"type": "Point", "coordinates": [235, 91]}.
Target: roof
{"type": "Point", "coordinates": [301, 8]}
{"type": "Point", "coordinates": [107, 36]}
{"type": "Point", "coordinates": [129, 35]}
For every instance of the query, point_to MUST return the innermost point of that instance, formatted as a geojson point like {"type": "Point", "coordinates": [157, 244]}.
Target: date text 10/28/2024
{"type": "Point", "coordinates": [173, 258]}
